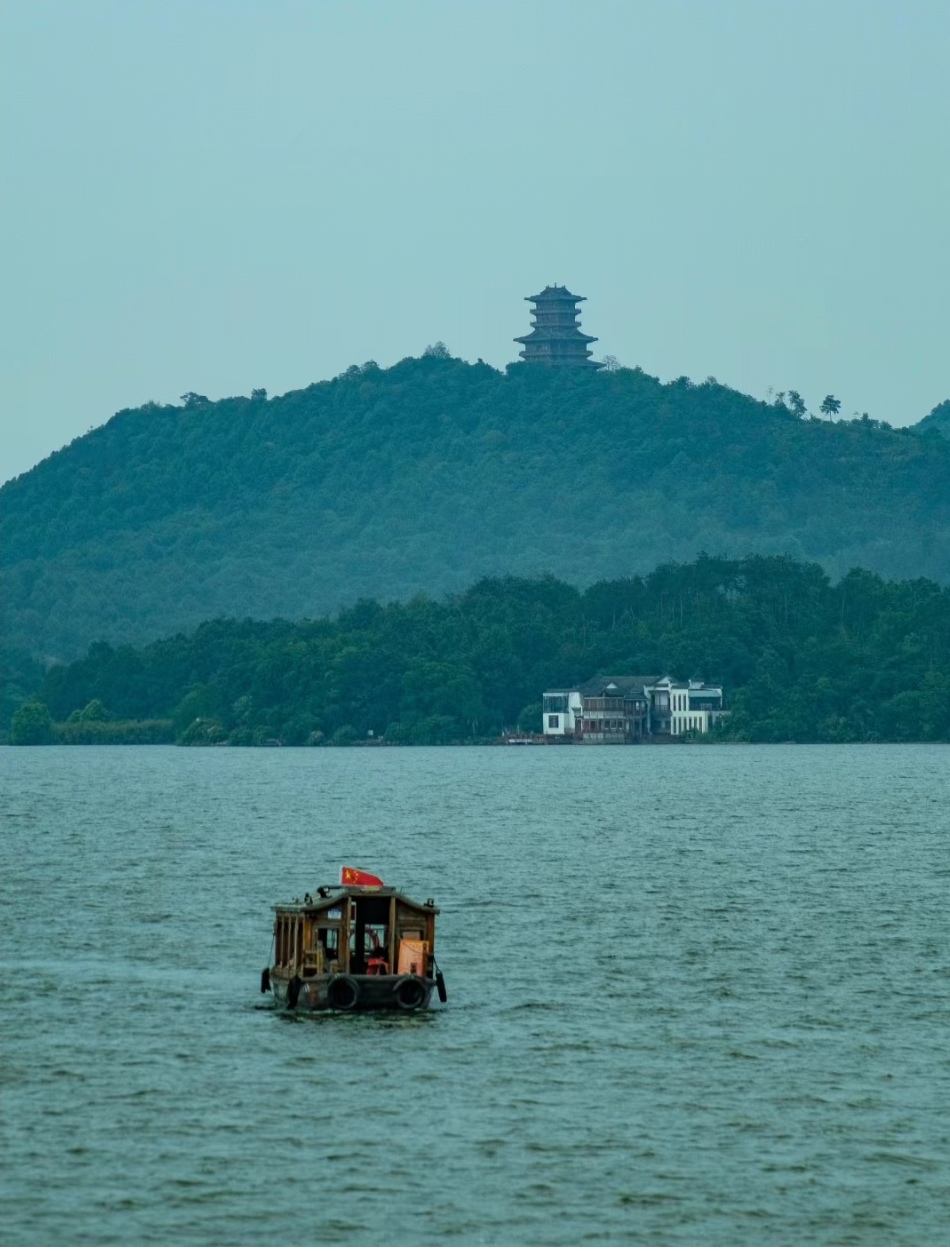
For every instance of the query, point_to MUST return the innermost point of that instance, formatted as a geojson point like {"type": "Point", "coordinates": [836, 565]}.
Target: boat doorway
{"type": "Point", "coordinates": [371, 935]}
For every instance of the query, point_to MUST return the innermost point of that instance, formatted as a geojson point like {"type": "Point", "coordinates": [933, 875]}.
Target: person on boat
{"type": "Point", "coordinates": [378, 962]}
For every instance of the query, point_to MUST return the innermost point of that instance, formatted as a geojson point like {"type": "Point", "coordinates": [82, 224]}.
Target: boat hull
{"type": "Point", "coordinates": [351, 993]}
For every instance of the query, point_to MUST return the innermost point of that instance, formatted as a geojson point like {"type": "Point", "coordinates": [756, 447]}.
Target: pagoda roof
{"type": "Point", "coordinates": [554, 293]}
{"type": "Point", "coordinates": [544, 333]}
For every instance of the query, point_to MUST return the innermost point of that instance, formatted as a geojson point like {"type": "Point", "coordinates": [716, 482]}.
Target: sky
{"type": "Point", "coordinates": [218, 195]}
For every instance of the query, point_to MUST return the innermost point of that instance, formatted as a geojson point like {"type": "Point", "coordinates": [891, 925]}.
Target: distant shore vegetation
{"type": "Point", "coordinates": [801, 658]}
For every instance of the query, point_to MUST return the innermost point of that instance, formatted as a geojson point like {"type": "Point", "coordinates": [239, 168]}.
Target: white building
{"type": "Point", "coordinates": [680, 708]}
{"type": "Point", "coordinates": [604, 710]}
{"type": "Point", "coordinates": [630, 709]}
{"type": "Point", "coordinates": [561, 710]}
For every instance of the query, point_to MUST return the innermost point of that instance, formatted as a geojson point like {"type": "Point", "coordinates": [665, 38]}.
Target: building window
{"type": "Point", "coordinates": [554, 723]}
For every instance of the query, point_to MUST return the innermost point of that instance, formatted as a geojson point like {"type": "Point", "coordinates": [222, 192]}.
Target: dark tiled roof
{"type": "Point", "coordinates": [628, 685]}
{"type": "Point", "coordinates": [544, 333]}
{"type": "Point", "coordinates": [554, 293]}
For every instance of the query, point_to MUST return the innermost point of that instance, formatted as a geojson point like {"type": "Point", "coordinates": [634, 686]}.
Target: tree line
{"type": "Point", "coordinates": [801, 658]}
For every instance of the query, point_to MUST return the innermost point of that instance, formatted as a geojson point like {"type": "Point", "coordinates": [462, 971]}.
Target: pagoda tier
{"type": "Point", "coordinates": [556, 339]}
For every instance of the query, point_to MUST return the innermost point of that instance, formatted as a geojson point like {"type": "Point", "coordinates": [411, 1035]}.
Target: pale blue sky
{"type": "Point", "coordinates": [216, 195]}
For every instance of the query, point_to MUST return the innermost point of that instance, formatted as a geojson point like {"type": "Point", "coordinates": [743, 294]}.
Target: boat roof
{"type": "Point", "coordinates": [335, 895]}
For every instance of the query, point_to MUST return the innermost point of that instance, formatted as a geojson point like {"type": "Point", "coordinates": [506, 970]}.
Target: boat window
{"type": "Point", "coordinates": [329, 940]}
{"type": "Point", "coordinates": [372, 936]}
{"type": "Point", "coordinates": [284, 940]}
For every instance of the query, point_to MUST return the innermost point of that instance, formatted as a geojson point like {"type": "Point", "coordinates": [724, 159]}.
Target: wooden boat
{"type": "Point", "coordinates": [354, 948]}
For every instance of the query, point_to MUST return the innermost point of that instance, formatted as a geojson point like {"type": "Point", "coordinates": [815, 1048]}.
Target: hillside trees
{"type": "Point", "coordinates": [433, 474]}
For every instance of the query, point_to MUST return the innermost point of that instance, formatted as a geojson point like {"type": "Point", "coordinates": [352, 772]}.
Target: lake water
{"type": "Point", "coordinates": [696, 995]}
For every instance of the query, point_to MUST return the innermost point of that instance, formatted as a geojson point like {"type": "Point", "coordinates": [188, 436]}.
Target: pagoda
{"type": "Point", "coordinates": [556, 338]}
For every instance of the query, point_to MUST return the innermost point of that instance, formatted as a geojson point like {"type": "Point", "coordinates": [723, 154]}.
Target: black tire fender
{"type": "Point", "coordinates": [293, 991]}
{"type": "Point", "coordinates": [265, 981]}
{"type": "Point", "coordinates": [343, 993]}
{"type": "Point", "coordinates": [409, 993]}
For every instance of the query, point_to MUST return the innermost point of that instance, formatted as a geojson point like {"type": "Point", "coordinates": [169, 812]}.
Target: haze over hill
{"type": "Point", "coordinates": [433, 473]}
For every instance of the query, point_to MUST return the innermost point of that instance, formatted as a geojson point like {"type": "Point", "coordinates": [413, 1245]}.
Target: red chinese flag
{"type": "Point", "coordinates": [357, 877]}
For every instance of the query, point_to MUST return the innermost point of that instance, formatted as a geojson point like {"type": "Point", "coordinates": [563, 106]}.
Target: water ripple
{"type": "Point", "coordinates": [696, 997]}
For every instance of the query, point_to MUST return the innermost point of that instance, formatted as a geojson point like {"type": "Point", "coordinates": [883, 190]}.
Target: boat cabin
{"type": "Point", "coordinates": [356, 933]}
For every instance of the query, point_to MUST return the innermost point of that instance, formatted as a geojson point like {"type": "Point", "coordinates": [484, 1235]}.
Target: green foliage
{"type": "Point", "coordinates": [201, 706]}
{"type": "Point", "coordinates": [94, 711]}
{"type": "Point", "coordinates": [202, 732]}
{"type": "Point", "coordinates": [796, 404]}
{"type": "Point", "coordinates": [113, 733]}
{"type": "Point", "coordinates": [938, 419]}
{"type": "Point", "coordinates": [21, 676]}
{"type": "Point", "coordinates": [32, 725]}
{"type": "Point", "coordinates": [432, 474]}
{"type": "Point", "coordinates": [801, 659]}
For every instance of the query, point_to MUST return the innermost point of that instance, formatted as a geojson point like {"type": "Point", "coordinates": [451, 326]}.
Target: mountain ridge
{"type": "Point", "coordinates": [433, 473]}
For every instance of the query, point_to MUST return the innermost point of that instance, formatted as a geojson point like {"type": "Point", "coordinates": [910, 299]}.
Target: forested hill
{"type": "Point", "coordinates": [432, 474]}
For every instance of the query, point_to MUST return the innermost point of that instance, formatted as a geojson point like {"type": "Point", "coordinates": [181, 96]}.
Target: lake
{"type": "Point", "coordinates": [696, 995]}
